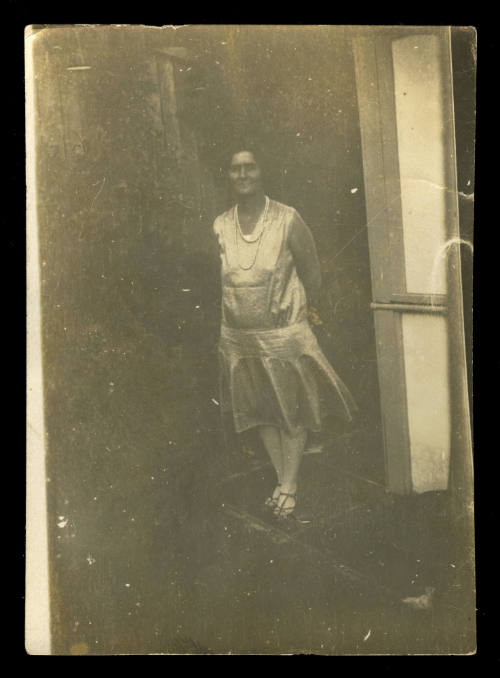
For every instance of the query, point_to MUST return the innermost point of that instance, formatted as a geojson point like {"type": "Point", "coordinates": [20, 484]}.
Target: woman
{"type": "Point", "coordinates": [272, 368]}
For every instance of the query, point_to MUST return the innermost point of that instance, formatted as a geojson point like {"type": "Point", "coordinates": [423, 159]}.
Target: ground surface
{"type": "Point", "coordinates": [202, 568]}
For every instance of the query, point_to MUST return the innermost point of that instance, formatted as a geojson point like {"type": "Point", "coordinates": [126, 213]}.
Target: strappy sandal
{"type": "Point", "coordinates": [271, 502]}
{"type": "Point", "coordinates": [282, 511]}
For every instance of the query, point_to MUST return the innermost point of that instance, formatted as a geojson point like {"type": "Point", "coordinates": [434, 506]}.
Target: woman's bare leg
{"type": "Point", "coordinates": [293, 450]}
{"type": "Point", "coordinates": [271, 439]}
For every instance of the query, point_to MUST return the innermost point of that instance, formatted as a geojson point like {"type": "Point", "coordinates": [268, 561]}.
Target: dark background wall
{"type": "Point", "coordinates": [133, 127]}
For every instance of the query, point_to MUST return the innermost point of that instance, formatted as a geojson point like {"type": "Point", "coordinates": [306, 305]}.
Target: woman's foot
{"type": "Point", "coordinates": [272, 501]}
{"type": "Point", "coordinates": [285, 505]}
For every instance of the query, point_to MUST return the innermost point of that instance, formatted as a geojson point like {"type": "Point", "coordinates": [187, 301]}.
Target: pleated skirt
{"type": "Point", "coordinates": [279, 377]}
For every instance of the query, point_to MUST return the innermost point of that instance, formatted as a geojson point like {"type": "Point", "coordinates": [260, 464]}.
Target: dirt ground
{"type": "Point", "coordinates": [200, 567]}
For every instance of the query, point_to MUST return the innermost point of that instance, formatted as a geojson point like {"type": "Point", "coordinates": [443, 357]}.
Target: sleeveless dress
{"type": "Point", "coordinates": [272, 369]}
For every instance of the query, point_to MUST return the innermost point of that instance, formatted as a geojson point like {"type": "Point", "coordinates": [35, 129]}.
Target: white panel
{"type": "Point", "coordinates": [426, 371]}
{"type": "Point", "coordinates": [420, 119]}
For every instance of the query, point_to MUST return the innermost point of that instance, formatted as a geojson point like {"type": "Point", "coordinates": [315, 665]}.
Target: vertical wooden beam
{"type": "Point", "coordinates": [168, 100]}
{"type": "Point", "coordinates": [368, 96]}
{"type": "Point", "coordinates": [393, 214]}
{"type": "Point", "coordinates": [392, 381]}
{"type": "Point", "coordinates": [383, 206]}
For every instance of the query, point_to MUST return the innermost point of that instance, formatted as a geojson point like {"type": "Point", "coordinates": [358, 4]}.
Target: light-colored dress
{"type": "Point", "coordinates": [272, 369]}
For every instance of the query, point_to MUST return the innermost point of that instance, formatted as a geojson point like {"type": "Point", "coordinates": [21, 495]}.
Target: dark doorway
{"type": "Point", "coordinates": [300, 107]}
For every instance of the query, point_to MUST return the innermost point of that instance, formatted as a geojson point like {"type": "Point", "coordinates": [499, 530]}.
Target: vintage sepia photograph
{"type": "Point", "coordinates": [249, 303]}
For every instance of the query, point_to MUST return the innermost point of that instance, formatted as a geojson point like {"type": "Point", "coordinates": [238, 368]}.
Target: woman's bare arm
{"type": "Point", "coordinates": [306, 258]}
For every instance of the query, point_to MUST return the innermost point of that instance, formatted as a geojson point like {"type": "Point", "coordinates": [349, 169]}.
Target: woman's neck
{"type": "Point", "coordinates": [251, 205]}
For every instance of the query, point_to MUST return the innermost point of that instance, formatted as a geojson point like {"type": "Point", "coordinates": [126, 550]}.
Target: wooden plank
{"type": "Point", "coordinates": [373, 165]}
{"type": "Point", "coordinates": [395, 255]}
{"type": "Point", "coordinates": [392, 382]}
{"type": "Point", "coordinates": [168, 100]}
{"type": "Point", "coordinates": [383, 205]}
{"type": "Point", "coordinates": [409, 308]}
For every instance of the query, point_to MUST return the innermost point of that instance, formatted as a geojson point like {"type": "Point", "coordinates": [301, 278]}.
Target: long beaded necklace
{"type": "Point", "coordinates": [259, 228]}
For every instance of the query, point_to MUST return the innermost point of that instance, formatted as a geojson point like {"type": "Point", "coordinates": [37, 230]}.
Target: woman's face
{"type": "Point", "coordinates": [245, 174]}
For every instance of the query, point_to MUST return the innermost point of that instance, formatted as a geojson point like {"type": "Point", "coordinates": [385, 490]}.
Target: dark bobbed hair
{"type": "Point", "coordinates": [252, 147]}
